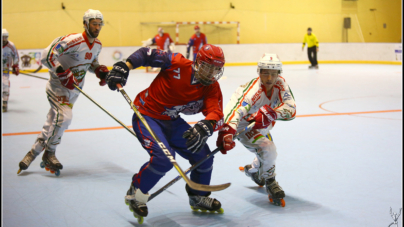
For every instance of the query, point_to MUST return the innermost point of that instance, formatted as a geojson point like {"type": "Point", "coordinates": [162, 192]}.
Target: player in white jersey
{"type": "Point", "coordinates": [68, 58]}
{"type": "Point", "coordinates": [10, 59]}
{"type": "Point", "coordinates": [262, 100]}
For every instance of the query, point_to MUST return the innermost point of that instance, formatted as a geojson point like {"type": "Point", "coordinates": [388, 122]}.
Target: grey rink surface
{"type": "Point", "coordinates": [336, 169]}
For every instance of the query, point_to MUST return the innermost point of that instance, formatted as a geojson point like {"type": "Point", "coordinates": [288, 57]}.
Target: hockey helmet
{"type": "Point", "coordinates": [209, 64]}
{"type": "Point", "coordinates": [4, 32]}
{"type": "Point", "coordinates": [270, 61]}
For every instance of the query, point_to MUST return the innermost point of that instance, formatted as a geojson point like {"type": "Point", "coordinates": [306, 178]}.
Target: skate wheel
{"type": "Point", "coordinates": [42, 165]}
{"type": "Point", "coordinates": [19, 171]}
{"type": "Point", "coordinates": [241, 168]}
{"type": "Point", "coordinates": [57, 173]}
{"type": "Point", "coordinates": [220, 211]}
{"type": "Point", "coordinates": [260, 186]}
{"type": "Point", "coordinates": [139, 219]}
{"type": "Point", "coordinates": [283, 204]}
{"type": "Point", "coordinates": [203, 211]}
{"type": "Point", "coordinates": [193, 209]}
{"type": "Point", "coordinates": [46, 168]}
{"type": "Point", "coordinates": [52, 171]}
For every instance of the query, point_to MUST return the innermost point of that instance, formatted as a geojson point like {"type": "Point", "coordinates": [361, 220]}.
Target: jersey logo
{"type": "Point", "coordinates": [88, 56]}
{"type": "Point", "coordinates": [207, 48]}
{"type": "Point", "coordinates": [190, 108]}
{"type": "Point", "coordinates": [179, 75]}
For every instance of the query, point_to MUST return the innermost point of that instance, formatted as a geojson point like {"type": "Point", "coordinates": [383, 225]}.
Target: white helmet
{"type": "Point", "coordinates": [4, 32]}
{"type": "Point", "coordinates": [270, 61]}
{"type": "Point", "coordinates": [93, 14]}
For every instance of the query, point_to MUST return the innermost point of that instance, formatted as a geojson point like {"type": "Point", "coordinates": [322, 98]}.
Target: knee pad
{"type": "Point", "coordinates": [160, 167]}
{"type": "Point", "coordinates": [268, 150]}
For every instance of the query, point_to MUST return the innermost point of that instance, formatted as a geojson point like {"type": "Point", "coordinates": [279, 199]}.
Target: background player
{"type": "Point", "coordinates": [196, 41]}
{"type": "Point", "coordinates": [264, 99]}
{"type": "Point", "coordinates": [68, 59]}
{"type": "Point", "coordinates": [162, 40]}
{"type": "Point", "coordinates": [182, 86]}
{"type": "Point", "coordinates": [9, 58]}
{"type": "Point", "coordinates": [312, 48]}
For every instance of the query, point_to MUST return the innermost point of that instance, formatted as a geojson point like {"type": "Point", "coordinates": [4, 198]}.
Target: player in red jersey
{"type": "Point", "coordinates": [162, 40]}
{"type": "Point", "coordinates": [182, 86]}
{"type": "Point", "coordinates": [196, 41]}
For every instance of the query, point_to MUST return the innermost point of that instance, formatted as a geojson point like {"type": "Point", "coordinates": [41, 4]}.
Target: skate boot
{"type": "Point", "coordinates": [51, 163]}
{"type": "Point", "coordinates": [26, 161]}
{"type": "Point", "coordinates": [4, 106]}
{"type": "Point", "coordinates": [136, 201]}
{"type": "Point", "coordinates": [204, 203]}
{"type": "Point", "coordinates": [275, 192]}
{"type": "Point", "coordinates": [254, 176]}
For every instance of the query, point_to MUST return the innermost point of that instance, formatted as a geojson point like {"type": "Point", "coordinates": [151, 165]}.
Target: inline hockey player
{"type": "Point", "coordinates": [10, 59]}
{"type": "Point", "coordinates": [182, 86]}
{"type": "Point", "coordinates": [68, 58]}
{"type": "Point", "coordinates": [162, 40]}
{"type": "Point", "coordinates": [264, 99]}
{"type": "Point", "coordinates": [196, 41]}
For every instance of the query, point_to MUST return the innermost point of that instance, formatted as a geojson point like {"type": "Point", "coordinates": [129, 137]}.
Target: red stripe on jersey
{"type": "Point", "coordinates": [74, 45]}
{"type": "Point", "coordinates": [241, 101]}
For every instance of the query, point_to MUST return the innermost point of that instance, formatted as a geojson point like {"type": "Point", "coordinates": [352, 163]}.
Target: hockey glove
{"type": "Point", "coordinates": [16, 69]}
{"type": "Point", "coordinates": [118, 74]}
{"type": "Point", "coordinates": [66, 78]}
{"type": "Point", "coordinates": [187, 55]}
{"type": "Point", "coordinates": [101, 72]}
{"type": "Point", "coordinates": [196, 136]}
{"type": "Point", "coordinates": [225, 139]}
{"type": "Point", "coordinates": [263, 117]}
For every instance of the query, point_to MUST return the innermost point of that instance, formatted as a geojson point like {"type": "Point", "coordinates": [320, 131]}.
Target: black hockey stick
{"type": "Point", "coordinates": [92, 100]}
{"type": "Point", "coordinates": [196, 165]}
{"type": "Point", "coordinates": [193, 185]}
{"type": "Point", "coordinates": [36, 70]}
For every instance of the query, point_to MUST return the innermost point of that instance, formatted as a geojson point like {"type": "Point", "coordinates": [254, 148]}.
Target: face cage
{"type": "Point", "coordinates": [206, 73]}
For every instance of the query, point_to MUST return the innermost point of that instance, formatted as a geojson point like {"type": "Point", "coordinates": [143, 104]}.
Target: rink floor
{"type": "Point", "coordinates": [339, 162]}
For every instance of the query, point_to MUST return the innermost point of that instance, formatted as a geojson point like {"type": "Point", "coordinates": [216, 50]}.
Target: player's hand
{"type": "Point", "coordinates": [101, 72]}
{"type": "Point", "coordinates": [225, 140]}
{"type": "Point", "coordinates": [318, 49]}
{"type": "Point", "coordinates": [118, 74]}
{"type": "Point", "coordinates": [196, 136]}
{"type": "Point", "coordinates": [263, 117]}
{"type": "Point", "coordinates": [302, 48]}
{"type": "Point", "coordinates": [66, 78]}
{"type": "Point", "coordinates": [16, 69]}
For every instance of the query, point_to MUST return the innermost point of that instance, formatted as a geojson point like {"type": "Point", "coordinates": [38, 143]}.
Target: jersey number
{"type": "Point", "coordinates": [88, 56]}
{"type": "Point", "coordinates": [177, 76]}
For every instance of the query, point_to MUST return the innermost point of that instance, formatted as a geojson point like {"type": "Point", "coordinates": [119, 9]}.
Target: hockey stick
{"type": "Point", "coordinates": [193, 185]}
{"type": "Point", "coordinates": [36, 70]}
{"type": "Point", "coordinates": [196, 165]}
{"type": "Point", "coordinates": [92, 100]}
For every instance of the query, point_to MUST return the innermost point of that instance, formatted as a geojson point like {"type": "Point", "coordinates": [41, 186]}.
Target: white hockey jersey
{"type": "Point", "coordinates": [72, 51]}
{"type": "Point", "coordinates": [10, 56]}
{"type": "Point", "coordinates": [250, 97]}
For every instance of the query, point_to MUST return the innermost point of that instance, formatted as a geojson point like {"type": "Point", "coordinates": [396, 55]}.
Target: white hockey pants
{"type": "Point", "coordinates": [58, 119]}
{"type": "Point", "coordinates": [260, 143]}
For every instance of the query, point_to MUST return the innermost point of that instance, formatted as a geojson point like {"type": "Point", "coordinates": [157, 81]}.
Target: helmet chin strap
{"type": "Point", "coordinates": [87, 29]}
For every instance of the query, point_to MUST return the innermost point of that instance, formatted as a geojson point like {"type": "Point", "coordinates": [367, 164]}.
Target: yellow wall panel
{"type": "Point", "coordinates": [34, 24]}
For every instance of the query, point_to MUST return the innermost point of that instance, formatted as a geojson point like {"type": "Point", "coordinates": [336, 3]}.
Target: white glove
{"type": "Point", "coordinates": [147, 42]}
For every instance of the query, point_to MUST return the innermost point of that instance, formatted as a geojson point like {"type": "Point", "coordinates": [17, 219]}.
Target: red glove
{"type": "Point", "coordinates": [67, 78]}
{"type": "Point", "coordinates": [225, 139]}
{"type": "Point", "coordinates": [263, 117]}
{"type": "Point", "coordinates": [101, 72]}
{"type": "Point", "coordinates": [16, 69]}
